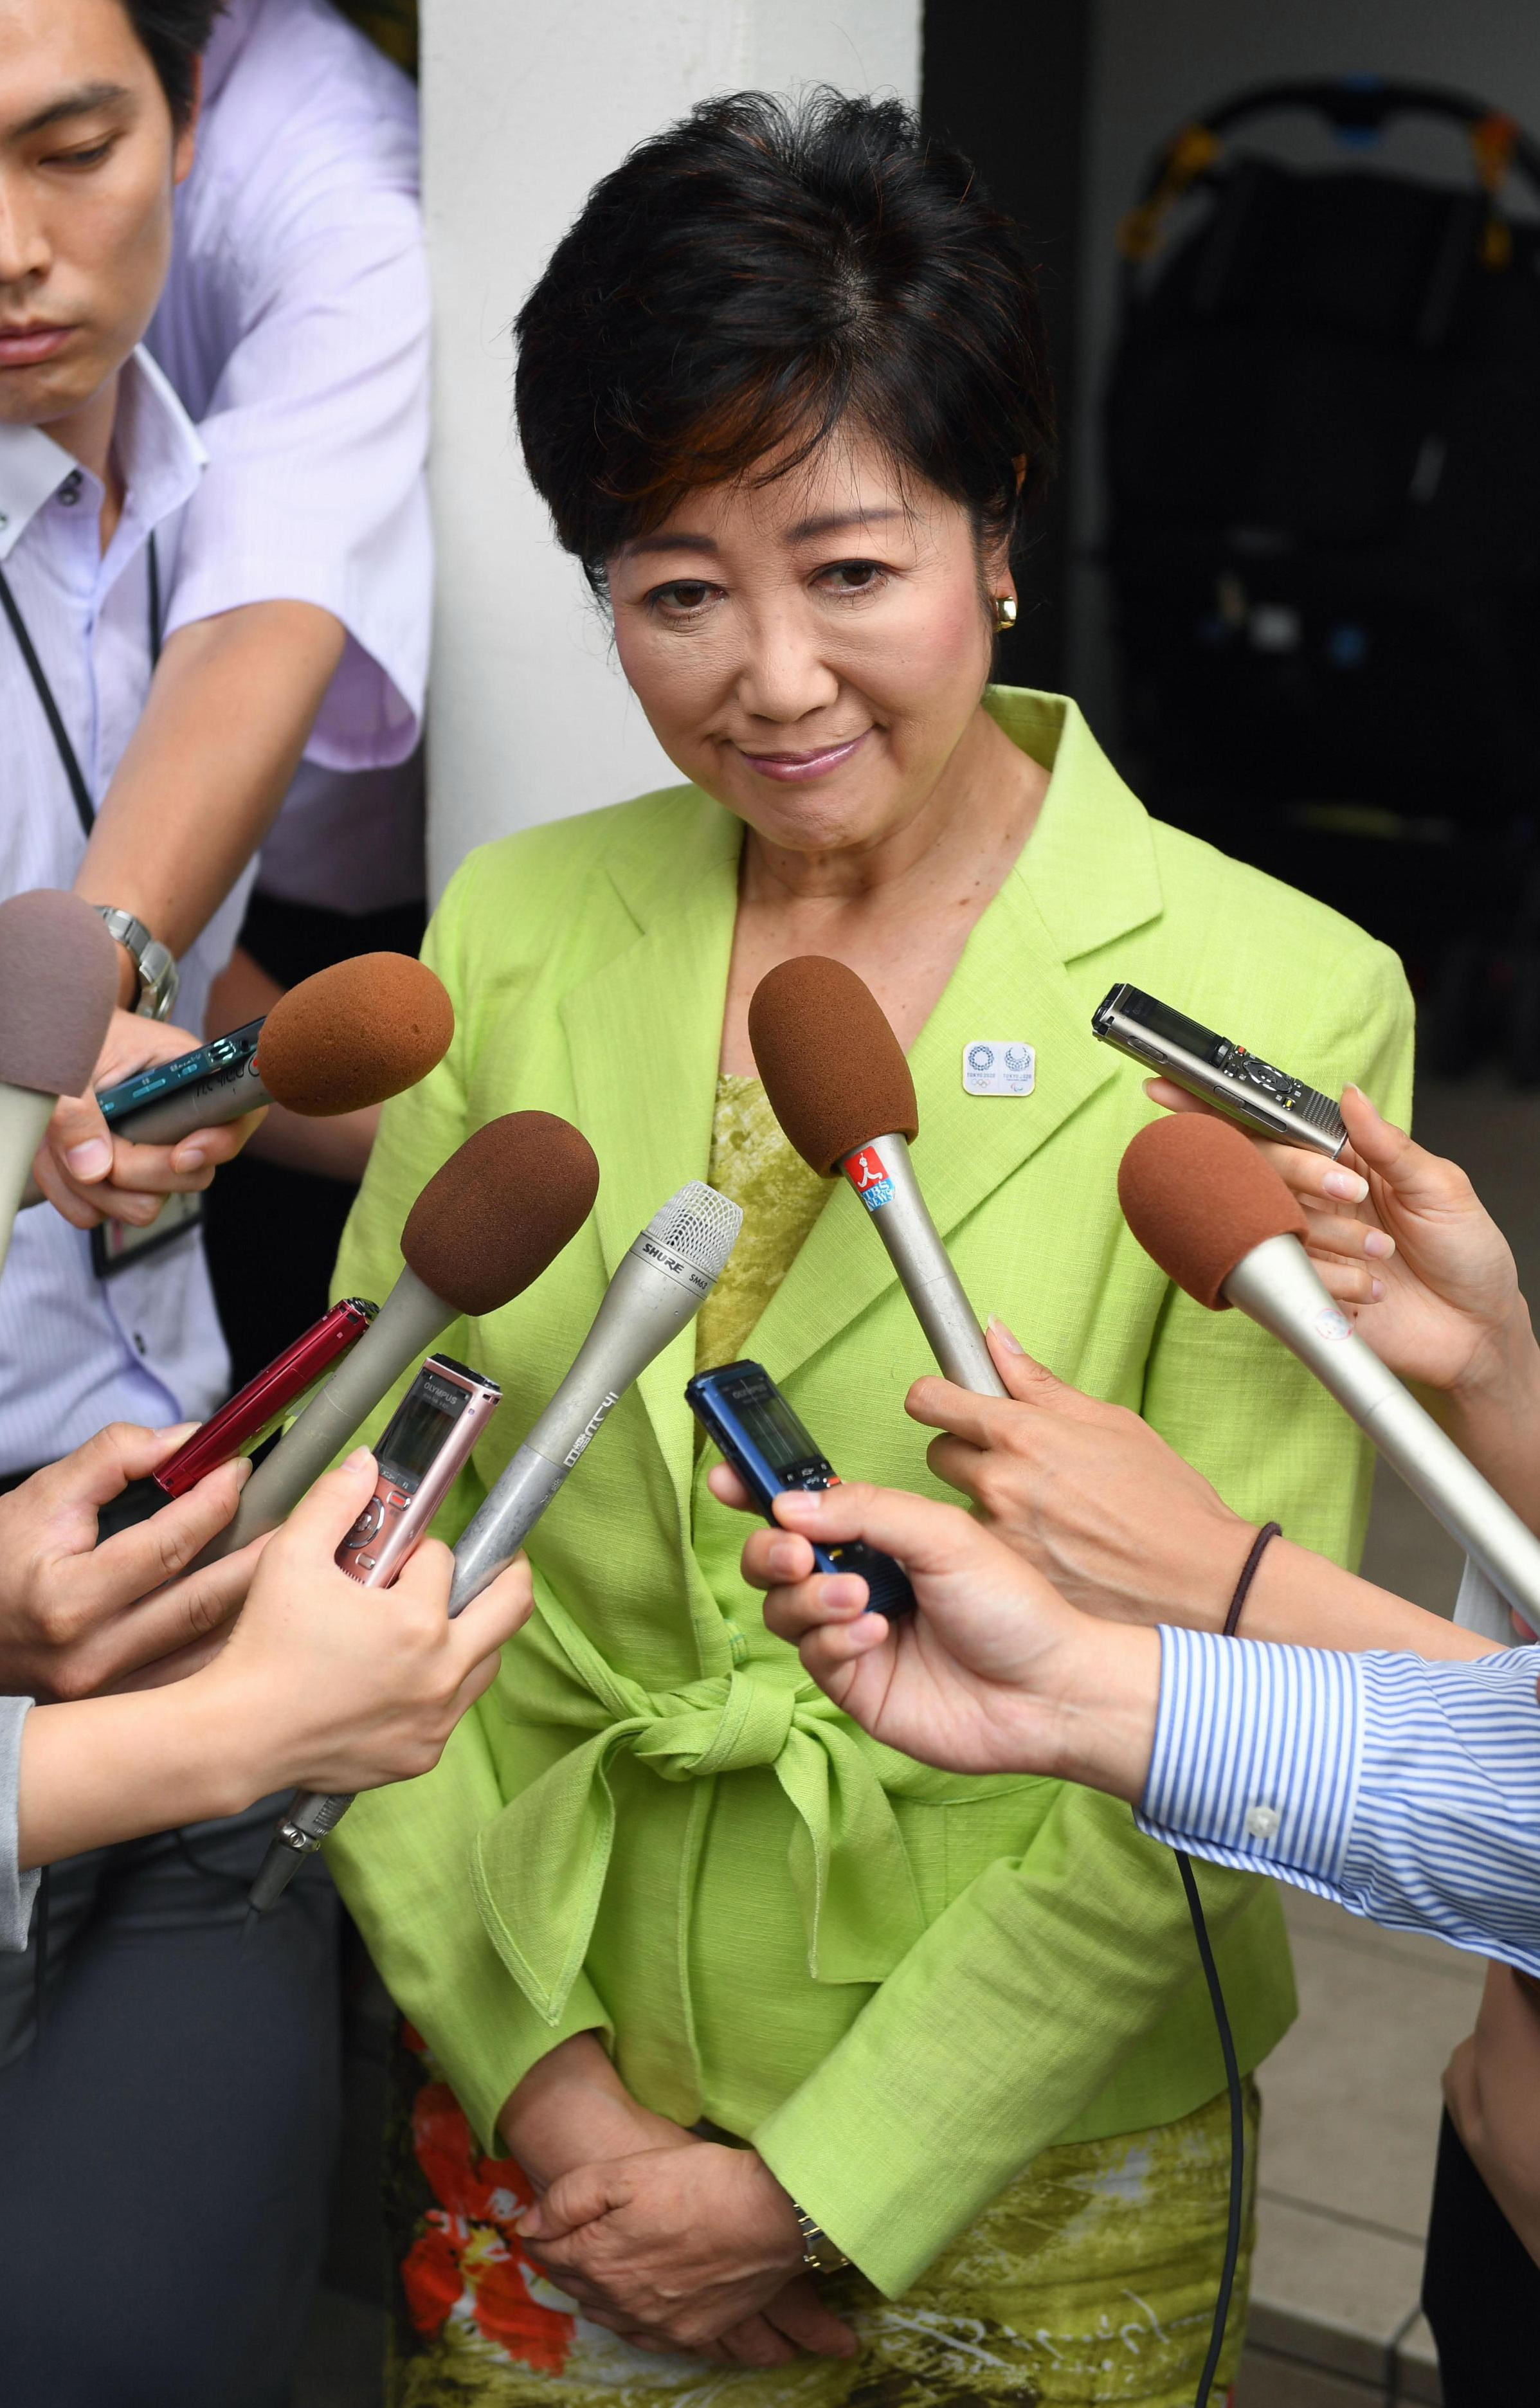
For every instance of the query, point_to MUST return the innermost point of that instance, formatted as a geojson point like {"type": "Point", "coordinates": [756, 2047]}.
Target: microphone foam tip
{"type": "Point", "coordinates": [354, 1034]}
{"type": "Point", "coordinates": [833, 1069]}
{"type": "Point", "coordinates": [58, 987]}
{"type": "Point", "coordinates": [500, 1210]}
{"type": "Point", "coordinates": [1198, 1196]}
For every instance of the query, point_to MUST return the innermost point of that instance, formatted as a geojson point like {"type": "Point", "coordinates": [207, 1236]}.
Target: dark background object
{"type": "Point", "coordinates": [1323, 530]}
{"type": "Point", "coordinates": [1008, 87]}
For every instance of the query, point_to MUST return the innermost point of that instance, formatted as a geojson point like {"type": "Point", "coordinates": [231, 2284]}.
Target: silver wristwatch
{"type": "Point", "coordinates": [154, 963]}
{"type": "Point", "coordinates": [819, 2254]}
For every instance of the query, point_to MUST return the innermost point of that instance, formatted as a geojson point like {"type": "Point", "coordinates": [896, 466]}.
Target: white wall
{"type": "Point", "coordinates": [1156, 63]}
{"type": "Point", "coordinates": [525, 104]}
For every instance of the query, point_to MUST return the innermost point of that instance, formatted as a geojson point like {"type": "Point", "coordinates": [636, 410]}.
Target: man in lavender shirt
{"type": "Point", "coordinates": [183, 2099]}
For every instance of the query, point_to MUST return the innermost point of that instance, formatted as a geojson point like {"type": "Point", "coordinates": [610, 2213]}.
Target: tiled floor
{"type": "Point", "coordinates": [1351, 2099]}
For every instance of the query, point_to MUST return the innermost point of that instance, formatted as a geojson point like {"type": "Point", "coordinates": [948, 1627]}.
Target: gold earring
{"type": "Point", "coordinates": [1005, 614]}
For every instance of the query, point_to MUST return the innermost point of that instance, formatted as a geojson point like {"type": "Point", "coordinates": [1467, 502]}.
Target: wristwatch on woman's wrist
{"type": "Point", "coordinates": [819, 2254]}
{"type": "Point", "coordinates": [154, 963]}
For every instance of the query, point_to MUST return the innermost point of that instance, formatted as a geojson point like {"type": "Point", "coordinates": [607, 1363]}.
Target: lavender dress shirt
{"type": "Point", "coordinates": [295, 327]}
{"type": "Point", "coordinates": [74, 1351]}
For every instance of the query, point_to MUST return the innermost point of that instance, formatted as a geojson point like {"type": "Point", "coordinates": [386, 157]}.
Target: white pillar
{"type": "Point", "coordinates": [525, 104]}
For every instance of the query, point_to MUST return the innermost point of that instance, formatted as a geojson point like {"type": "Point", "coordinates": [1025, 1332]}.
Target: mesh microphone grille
{"type": "Point", "coordinates": [698, 1224]}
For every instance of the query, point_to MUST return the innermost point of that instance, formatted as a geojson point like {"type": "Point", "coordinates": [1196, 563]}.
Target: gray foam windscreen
{"type": "Point", "coordinates": [58, 986]}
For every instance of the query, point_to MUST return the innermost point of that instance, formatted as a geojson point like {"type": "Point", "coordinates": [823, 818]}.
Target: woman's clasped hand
{"type": "Point", "coordinates": [674, 2241]}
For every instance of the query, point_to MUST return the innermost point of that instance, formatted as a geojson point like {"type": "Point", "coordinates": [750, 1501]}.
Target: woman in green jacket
{"type": "Point", "coordinates": [661, 1912]}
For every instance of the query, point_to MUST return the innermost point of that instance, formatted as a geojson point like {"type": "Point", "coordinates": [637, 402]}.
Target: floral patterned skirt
{"type": "Point", "coordinates": [1089, 2282]}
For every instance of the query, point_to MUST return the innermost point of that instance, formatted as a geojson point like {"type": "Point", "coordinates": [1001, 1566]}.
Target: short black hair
{"type": "Point", "coordinates": [176, 35]}
{"type": "Point", "coordinates": [751, 277]}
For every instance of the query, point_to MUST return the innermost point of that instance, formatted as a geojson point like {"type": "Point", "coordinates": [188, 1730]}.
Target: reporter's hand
{"type": "Point", "coordinates": [76, 1617]}
{"type": "Point", "coordinates": [1088, 1493]}
{"type": "Point", "coordinates": [993, 1673]}
{"type": "Point", "coordinates": [91, 1176]}
{"type": "Point", "coordinates": [342, 1688]}
{"type": "Point", "coordinates": [1400, 1238]}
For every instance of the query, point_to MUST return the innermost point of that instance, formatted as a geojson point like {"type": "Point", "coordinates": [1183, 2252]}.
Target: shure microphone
{"type": "Point", "coordinates": [840, 1087]}
{"type": "Point", "coordinates": [58, 987]}
{"type": "Point", "coordinates": [661, 1285]}
{"type": "Point", "coordinates": [482, 1230]}
{"type": "Point", "coordinates": [1220, 1222]}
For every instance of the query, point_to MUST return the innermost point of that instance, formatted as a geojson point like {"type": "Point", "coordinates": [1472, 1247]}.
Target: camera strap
{"type": "Point", "coordinates": [86, 810]}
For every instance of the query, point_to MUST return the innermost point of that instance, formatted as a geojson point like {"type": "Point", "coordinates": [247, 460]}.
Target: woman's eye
{"type": "Point", "coordinates": [687, 594]}
{"type": "Point", "coordinates": [852, 576]}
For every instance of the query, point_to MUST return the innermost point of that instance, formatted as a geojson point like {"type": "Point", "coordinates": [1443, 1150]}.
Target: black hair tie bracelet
{"type": "Point", "coordinates": [1269, 1531]}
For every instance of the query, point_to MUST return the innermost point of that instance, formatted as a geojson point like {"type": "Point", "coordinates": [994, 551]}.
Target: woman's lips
{"type": "Point", "coordinates": [22, 347]}
{"type": "Point", "coordinates": [795, 769]}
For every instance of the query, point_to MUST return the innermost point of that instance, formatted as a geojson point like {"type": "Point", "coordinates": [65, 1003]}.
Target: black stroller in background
{"type": "Point", "coordinates": [1322, 435]}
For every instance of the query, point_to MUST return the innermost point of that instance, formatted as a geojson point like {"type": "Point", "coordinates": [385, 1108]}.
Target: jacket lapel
{"type": "Point", "coordinates": [644, 1033]}
{"type": "Point", "coordinates": [1087, 875]}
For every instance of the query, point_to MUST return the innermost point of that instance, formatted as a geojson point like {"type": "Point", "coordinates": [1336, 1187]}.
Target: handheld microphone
{"type": "Point", "coordinates": [840, 1087]}
{"type": "Point", "coordinates": [58, 987]}
{"type": "Point", "coordinates": [482, 1230]}
{"type": "Point", "coordinates": [660, 1285]}
{"type": "Point", "coordinates": [1220, 1222]}
{"type": "Point", "coordinates": [352, 1035]}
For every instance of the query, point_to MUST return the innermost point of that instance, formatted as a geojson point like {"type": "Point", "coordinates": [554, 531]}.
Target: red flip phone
{"type": "Point", "coordinates": [253, 1409]}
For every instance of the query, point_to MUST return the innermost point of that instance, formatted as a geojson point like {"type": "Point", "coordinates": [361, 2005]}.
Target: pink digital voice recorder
{"type": "Point", "coordinates": [425, 1441]}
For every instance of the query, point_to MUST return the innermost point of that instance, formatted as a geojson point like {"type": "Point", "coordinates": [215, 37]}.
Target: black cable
{"type": "Point", "coordinates": [1237, 2128]}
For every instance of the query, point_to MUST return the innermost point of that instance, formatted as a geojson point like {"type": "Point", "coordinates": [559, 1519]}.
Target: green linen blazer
{"type": "Point", "coordinates": [902, 1985]}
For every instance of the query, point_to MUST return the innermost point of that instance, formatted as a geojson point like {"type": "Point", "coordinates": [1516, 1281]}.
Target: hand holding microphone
{"type": "Point", "coordinates": [840, 1087]}
{"type": "Point", "coordinates": [1403, 1243]}
{"type": "Point", "coordinates": [350, 1036]}
{"type": "Point", "coordinates": [1221, 1223]}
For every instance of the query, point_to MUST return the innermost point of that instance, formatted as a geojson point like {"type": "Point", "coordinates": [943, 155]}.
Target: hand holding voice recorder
{"type": "Point", "coordinates": [744, 1414]}
{"type": "Point", "coordinates": [1248, 1089]}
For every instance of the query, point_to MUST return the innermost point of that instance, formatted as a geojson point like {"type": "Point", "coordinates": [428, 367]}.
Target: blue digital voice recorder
{"type": "Point", "coordinates": [743, 1411]}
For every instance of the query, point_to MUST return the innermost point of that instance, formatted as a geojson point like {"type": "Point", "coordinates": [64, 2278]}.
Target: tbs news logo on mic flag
{"type": "Point", "coordinates": [867, 1174]}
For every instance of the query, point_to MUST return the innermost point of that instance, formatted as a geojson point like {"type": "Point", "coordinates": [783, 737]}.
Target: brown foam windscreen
{"type": "Point", "coordinates": [832, 1067]}
{"type": "Point", "coordinates": [1198, 1195]}
{"type": "Point", "coordinates": [500, 1208]}
{"type": "Point", "coordinates": [58, 986]}
{"type": "Point", "coordinates": [354, 1034]}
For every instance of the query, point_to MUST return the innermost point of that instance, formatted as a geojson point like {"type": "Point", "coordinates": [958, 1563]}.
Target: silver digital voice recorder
{"type": "Point", "coordinates": [1250, 1090]}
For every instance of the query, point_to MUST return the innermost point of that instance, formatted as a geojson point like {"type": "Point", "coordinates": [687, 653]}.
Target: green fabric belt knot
{"type": "Point", "coordinates": [538, 1868]}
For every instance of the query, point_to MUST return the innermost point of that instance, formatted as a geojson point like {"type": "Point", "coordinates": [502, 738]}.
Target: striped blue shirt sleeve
{"type": "Point", "coordinates": [1409, 1792]}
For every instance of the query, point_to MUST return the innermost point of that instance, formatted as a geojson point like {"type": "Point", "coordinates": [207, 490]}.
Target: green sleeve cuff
{"type": "Point", "coordinates": [1006, 2026]}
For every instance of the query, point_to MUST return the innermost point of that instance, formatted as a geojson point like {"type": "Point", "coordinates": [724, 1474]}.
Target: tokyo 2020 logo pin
{"type": "Point", "coordinates": [999, 1066]}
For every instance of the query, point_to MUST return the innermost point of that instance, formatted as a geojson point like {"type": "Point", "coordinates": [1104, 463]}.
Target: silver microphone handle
{"type": "Point", "coordinates": [651, 1298]}
{"type": "Point", "coordinates": [932, 1286]}
{"type": "Point", "coordinates": [25, 1114]}
{"type": "Point", "coordinates": [1277, 1285]}
{"type": "Point", "coordinates": [405, 1327]}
